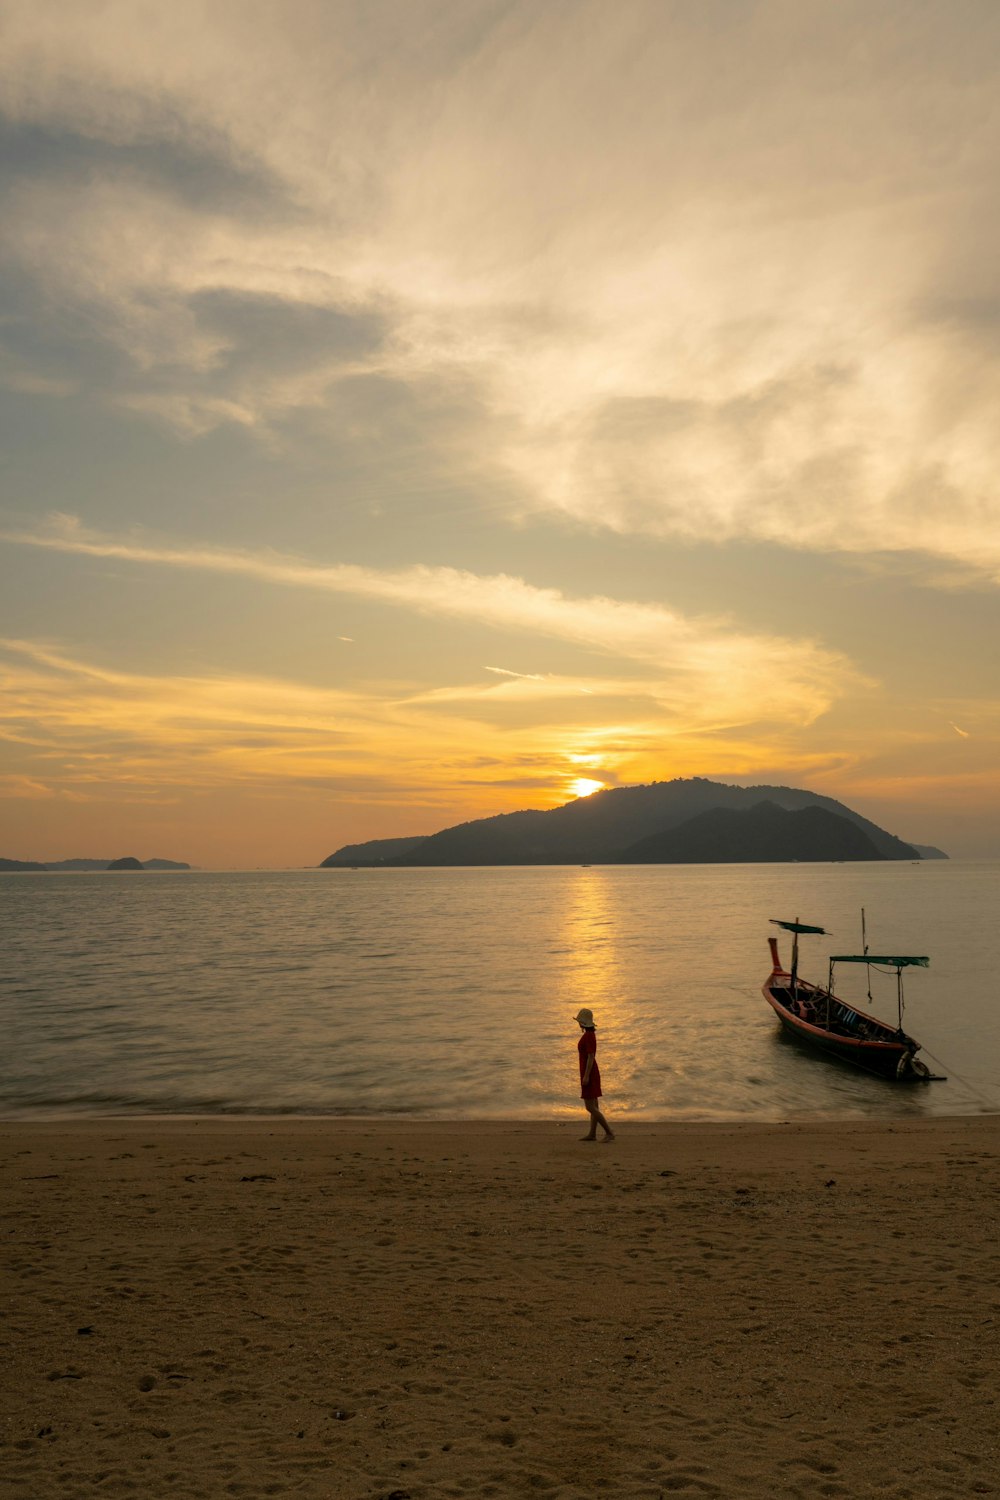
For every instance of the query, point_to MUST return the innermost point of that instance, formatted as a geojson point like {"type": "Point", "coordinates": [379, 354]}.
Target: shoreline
{"type": "Point", "coordinates": [318, 1307]}
{"type": "Point", "coordinates": [978, 1108]}
{"type": "Point", "coordinates": [475, 1123]}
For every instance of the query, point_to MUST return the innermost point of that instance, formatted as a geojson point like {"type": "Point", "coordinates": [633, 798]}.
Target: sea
{"type": "Point", "coordinates": [450, 993]}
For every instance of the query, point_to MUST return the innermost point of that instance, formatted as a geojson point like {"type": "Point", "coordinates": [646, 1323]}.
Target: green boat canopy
{"type": "Point", "coordinates": [877, 958]}
{"type": "Point", "coordinates": [795, 926]}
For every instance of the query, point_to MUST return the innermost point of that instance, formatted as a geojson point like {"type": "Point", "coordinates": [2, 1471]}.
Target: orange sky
{"type": "Point", "coordinates": [413, 410]}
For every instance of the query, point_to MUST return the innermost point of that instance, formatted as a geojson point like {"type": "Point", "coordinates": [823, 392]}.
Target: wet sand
{"type": "Point", "coordinates": [327, 1309]}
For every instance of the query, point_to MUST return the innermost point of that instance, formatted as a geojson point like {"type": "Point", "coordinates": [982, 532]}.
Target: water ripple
{"type": "Point", "coordinates": [452, 992]}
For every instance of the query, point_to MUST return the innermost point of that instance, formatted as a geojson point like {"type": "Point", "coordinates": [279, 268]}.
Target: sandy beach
{"type": "Point", "coordinates": [362, 1309]}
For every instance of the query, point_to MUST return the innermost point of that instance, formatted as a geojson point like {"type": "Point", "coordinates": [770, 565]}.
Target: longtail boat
{"type": "Point", "coordinates": [816, 1016]}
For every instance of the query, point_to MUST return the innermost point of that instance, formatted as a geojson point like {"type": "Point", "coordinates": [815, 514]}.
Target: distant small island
{"type": "Point", "coordinates": [685, 821]}
{"type": "Point", "coordinates": [127, 862]}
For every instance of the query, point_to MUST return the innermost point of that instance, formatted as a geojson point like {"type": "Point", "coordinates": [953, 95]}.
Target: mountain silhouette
{"type": "Point", "coordinates": [606, 827]}
{"type": "Point", "coordinates": [764, 833]}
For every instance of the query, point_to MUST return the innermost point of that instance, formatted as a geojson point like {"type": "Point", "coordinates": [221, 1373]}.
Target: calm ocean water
{"type": "Point", "coordinates": [450, 993]}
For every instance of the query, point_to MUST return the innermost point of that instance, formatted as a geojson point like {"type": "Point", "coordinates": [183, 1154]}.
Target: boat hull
{"type": "Point", "coordinates": [830, 1026]}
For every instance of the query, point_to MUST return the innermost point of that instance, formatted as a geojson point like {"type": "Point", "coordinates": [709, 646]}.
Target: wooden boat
{"type": "Point", "coordinates": [817, 1017]}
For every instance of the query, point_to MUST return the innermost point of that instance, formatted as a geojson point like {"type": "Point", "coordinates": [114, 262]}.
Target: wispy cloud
{"type": "Point", "coordinates": [79, 729]}
{"type": "Point", "coordinates": [79, 734]}
{"type": "Point", "coordinates": [89, 726]}
{"type": "Point", "coordinates": [716, 673]}
{"type": "Point", "coordinates": [506, 672]}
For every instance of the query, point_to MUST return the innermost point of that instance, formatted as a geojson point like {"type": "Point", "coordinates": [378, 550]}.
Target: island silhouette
{"type": "Point", "coordinates": [684, 821]}
{"type": "Point", "coordinates": [127, 862]}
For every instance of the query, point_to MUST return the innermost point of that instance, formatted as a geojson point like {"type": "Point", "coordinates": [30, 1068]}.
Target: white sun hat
{"type": "Point", "coordinates": [586, 1018]}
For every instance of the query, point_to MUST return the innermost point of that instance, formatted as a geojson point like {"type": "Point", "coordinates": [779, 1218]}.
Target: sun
{"type": "Point", "coordinates": [584, 786]}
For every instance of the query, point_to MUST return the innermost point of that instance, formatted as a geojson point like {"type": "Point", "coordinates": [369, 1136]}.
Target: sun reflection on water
{"type": "Point", "coordinates": [591, 973]}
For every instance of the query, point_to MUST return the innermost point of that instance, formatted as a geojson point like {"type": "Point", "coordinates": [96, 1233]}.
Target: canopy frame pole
{"type": "Point", "coordinates": [795, 959]}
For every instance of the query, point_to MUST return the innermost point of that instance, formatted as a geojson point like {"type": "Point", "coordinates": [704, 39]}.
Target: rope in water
{"type": "Point", "coordinates": [994, 1104]}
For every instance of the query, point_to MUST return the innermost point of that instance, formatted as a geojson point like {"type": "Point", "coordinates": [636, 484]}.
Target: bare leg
{"type": "Point", "coordinates": [596, 1118]}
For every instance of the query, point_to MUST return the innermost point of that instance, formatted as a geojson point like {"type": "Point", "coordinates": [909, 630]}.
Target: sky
{"type": "Point", "coordinates": [415, 410]}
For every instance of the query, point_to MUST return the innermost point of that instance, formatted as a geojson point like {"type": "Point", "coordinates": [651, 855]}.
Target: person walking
{"type": "Point", "coordinates": [590, 1075]}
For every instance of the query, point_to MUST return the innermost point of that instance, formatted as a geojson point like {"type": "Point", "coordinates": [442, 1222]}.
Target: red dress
{"type": "Point", "coordinates": [587, 1047]}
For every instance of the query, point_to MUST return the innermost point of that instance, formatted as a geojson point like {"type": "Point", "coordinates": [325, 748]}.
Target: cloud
{"type": "Point", "coordinates": [77, 731]}
{"type": "Point", "coordinates": [203, 174]}
{"type": "Point", "coordinates": [715, 672]}
{"type": "Point", "coordinates": [87, 726]}
{"type": "Point", "coordinates": [20, 788]}
{"type": "Point", "coordinates": [791, 338]}
{"type": "Point", "coordinates": [223, 747]}
{"type": "Point", "coordinates": [506, 672]}
{"type": "Point", "coordinates": [489, 698]}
